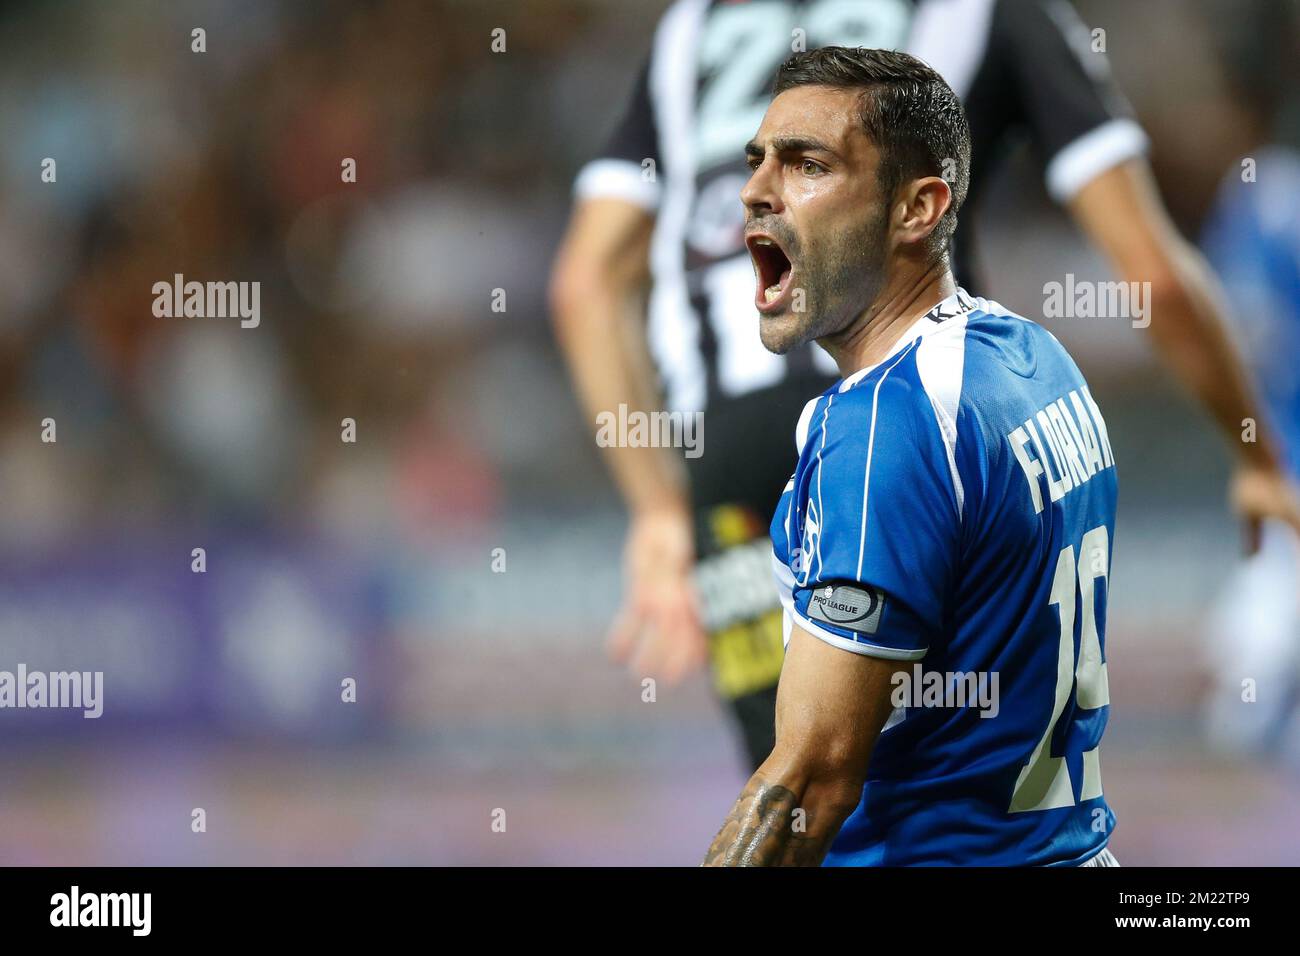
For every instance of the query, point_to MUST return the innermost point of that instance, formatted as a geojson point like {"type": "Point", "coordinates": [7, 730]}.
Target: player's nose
{"type": "Point", "coordinates": [760, 194]}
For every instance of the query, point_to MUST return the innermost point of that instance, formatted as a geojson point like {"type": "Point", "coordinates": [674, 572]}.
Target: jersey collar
{"type": "Point", "coordinates": [958, 304]}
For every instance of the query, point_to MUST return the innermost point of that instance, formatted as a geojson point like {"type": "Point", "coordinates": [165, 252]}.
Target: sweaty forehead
{"type": "Point", "coordinates": [821, 113]}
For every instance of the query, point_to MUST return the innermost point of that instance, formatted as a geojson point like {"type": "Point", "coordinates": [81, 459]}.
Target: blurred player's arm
{"type": "Point", "coordinates": [597, 305]}
{"type": "Point", "coordinates": [598, 308]}
{"type": "Point", "coordinates": [598, 291]}
{"type": "Point", "coordinates": [830, 708]}
{"type": "Point", "coordinates": [1121, 212]}
{"type": "Point", "coordinates": [598, 297]}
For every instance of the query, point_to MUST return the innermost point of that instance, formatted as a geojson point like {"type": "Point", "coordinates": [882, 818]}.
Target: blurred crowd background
{"type": "Point", "coordinates": [478, 689]}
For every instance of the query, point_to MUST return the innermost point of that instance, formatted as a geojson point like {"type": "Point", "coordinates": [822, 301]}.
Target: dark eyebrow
{"type": "Point", "coordinates": [791, 144]}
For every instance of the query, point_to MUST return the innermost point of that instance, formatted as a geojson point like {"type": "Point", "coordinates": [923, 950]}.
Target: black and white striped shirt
{"type": "Point", "coordinates": [1018, 66]}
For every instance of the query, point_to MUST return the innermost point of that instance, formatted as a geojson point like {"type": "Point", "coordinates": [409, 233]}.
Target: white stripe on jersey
{"type": "Point", "coordinates": [674, 327]}
{"type": "Point", "coordinates": [931, 39]}
{"type": "Point", "coordinates": [805, 421]}
{"type": "Point", "coordinates": [940, 361]}
{"type": "Point", "coordinates": [617, 179]}
{"type": "Point", "coordinates": [812, 522]}
{"type": "Point", "coordinates": [871, 445]}
{"type": "Point", "coordinates": [1090, 155]}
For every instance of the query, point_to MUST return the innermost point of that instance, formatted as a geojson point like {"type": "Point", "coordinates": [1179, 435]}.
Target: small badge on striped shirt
{"type": "Point", "coordinates": [853, 606]}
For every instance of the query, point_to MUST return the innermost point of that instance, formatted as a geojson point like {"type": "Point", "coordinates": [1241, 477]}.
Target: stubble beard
{"type": "Point", "coordinates": [839, 280]}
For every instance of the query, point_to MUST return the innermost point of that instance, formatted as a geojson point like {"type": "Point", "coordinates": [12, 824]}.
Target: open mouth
{"type": "Point", "coordinates": [772, 270]}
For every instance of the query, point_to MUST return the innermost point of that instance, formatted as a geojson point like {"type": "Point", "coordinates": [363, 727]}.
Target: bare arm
{"type": "Point", "coordinates": [830, 708]}
{"type": "Point", "coordinates": [597, 301]}
{"type": "Point", "coordinates": [1123, 215]}
{"type": "Point", "coordinates": [597, 306]}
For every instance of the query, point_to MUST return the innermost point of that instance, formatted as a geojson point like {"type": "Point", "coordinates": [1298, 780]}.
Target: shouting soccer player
{"type": "Point", "coordinates": [695, 556]}
{"type": "Point", "coordinates": [943, 547]}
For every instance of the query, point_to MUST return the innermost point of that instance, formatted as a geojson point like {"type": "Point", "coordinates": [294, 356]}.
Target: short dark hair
{"type": "Point", "coordinates": [907, 110]}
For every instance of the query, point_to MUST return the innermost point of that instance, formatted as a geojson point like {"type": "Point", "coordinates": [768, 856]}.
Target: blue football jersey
{"type": "Point", "coordinates": [954, 506]}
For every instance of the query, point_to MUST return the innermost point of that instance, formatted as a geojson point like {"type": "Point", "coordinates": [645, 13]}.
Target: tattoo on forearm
{"type": "Point", "coordinates": [763, 829]}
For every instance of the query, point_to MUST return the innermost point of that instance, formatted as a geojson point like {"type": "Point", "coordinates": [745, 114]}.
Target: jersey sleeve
{"type": "Point", "coordinates": [621, 170]}
{"type": "Point", "coordinates": [1075, 111]}
{"type": "Point", "coordinates": [881, 526]}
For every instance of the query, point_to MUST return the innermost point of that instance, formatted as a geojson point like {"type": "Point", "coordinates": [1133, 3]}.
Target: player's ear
{"type": "Point", "coordinates": [923, 202]}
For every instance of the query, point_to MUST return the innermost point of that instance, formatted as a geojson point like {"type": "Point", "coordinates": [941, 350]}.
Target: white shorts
{"type": "Point", "coordinates": [1104, 858]}
{"type": "Point", "coordinates": [1254, 633]}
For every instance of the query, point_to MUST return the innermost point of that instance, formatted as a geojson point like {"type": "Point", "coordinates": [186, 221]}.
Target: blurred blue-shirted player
{"type": "Point", "coordinates": [1253, 240]}
{"type": "Point", "coordinates": [943, 547]}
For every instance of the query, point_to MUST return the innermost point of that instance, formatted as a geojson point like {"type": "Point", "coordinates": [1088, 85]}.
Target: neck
{"type": "Point", "coordinates": [878, 328]}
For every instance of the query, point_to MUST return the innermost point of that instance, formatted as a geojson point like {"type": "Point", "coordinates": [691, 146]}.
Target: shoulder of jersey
{"type": "Point", "coordinates": [998, 341]}
{"type": "Point", "coordinates": [894, 394]}
{"type": "Point", "coordinates": [939, 358]}
{"type": "Point", "coordinates": [929, 374]}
